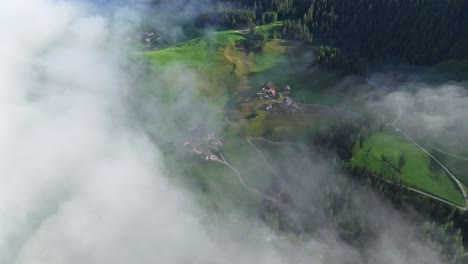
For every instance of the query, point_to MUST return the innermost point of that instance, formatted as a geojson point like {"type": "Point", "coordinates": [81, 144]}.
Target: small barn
{"type": "Point", "coordinates": [269, 86]}
{"type": "Point", "coordinates": [288, 102]}
{"type": "Point", "coordinates": [287, 89]}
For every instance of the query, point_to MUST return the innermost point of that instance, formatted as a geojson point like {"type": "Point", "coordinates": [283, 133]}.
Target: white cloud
{"type": "Point", "coordinates": [78, 184]}
{"type": "Point", "coordinates": [434, 113]}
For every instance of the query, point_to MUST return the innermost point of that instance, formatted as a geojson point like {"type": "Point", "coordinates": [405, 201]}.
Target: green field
{"type": "Point", "coordinates": [230, 69]}
{"type": "Point", "coordinates": [208, 62]}
{"type": "Point", "coordinates": [199, 52]}
{"type": "Point", "coordinates": [388, 154]}
{"type": "Point", "coordinates": [276, 26]}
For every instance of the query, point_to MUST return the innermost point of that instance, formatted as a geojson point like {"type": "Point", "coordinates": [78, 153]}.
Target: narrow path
{"type": "Point", "coordinates": [241, 179]}
{"type": "Point", "coordinates": [451, 155]}
{"type": "Point", "coordinates": [398, 118]}
{"type": "Point", "coordinates": [267, 164]}
{"type": "Point", "coordinates": [246, 31]}
{"type": "Point", "coordinates": [460, 186]}
{"type": "Point", "coordinates": [398, 130]}
{"type": "Point", "coordinates": [339, 109]}
{"type": "Point", "coordinates": [437, 198]}
{"type": "Point", "coordinates": [298, 42]}
{"type": "Point", "coordinates": [226, 119]}
{"type": "Point", "coordinates": [428, 195]}
{"type": "Point", "coordinates": [249, 139]}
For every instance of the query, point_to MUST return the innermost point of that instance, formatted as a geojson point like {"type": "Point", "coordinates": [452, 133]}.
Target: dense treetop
{"type": "Point", "coordinates": [422, 31]}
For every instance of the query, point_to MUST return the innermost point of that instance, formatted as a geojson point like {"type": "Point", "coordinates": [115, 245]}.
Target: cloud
{"type": "Point", "coordinates": [82, 182]}
{"type": "Point", "coordinates": [79, 184]}
{"type": "Point", "coordinates": [434, 112]}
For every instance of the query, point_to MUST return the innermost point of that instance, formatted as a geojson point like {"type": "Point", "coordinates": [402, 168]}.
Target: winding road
{"type": "Point", "coordinates": [267, 164]}
{"type": "Point", "coordinates": [460, 185]}
{"type": "Point", "coordinates": [239, 176]}
{"type": "Point", "coordinates": [449, 154]}
{"type": "Point", "coordinates": [241, 179]}
{"type": "Point", "coordinates": [392, 124]}
{"type": "Point", "coordinates": [249, 140]}
{"type": "Point", "coordinates": [338, 109]}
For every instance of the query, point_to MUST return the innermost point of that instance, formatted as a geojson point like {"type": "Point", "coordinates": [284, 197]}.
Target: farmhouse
{"type": "Point", "coordinates": [151, 38]}
{"type": "Point", "coordinates": [268, 90]}
{"type": "Point", "coordinates": [213, 141]}
{"type": "Point", "coordinates": [288, 103]}
{"type": "Point", "coordinates": [204, 144]}
{"type": "Point", "coordinates": [269, 86]}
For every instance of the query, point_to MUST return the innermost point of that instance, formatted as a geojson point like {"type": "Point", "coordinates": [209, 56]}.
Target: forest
{"type": "Point", "coordinates": [418, 32]}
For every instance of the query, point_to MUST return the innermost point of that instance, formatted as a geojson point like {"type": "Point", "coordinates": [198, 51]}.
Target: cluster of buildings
{"type": "Point", "coordinates": [151, 38]}
{"type": "Point", "coordinates": [204, 144]}
{"type": "Point", "coordinates": [270, 91]}
{"type": "Point", "coordinates": [288, 103]}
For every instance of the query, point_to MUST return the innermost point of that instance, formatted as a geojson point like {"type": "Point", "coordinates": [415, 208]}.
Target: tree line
{"type": "Point", "coordinates": [420, 32]}
{"type": "Point", "coordinates": [425, 31]}
{"type": "Point", "coordinates": [446, 227]}
{"type": "Point", "coordinates": [442, 227]}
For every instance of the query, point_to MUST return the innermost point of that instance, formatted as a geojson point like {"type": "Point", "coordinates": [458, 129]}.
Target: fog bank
{"type": "Point", "coordinates": [81, 182]}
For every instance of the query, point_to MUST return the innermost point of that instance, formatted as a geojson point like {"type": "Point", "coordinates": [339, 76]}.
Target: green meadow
{"type": "Point", "coordinates": [387, 153]}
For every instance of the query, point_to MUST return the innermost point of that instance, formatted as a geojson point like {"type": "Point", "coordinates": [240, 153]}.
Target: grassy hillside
{"type": "Point", "coordinates": [229, 68]}
{"type": "Point", "coordinates": [219, 187]}
{"type": "Point", "coordinates": [227, 77]}
{"type": "Point", "coordinates": [199, 52]}
{"type": "Point", "coordinates": [386, 153]}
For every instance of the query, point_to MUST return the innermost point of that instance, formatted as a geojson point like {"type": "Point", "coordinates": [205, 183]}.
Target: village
{"type": "Point", "coordinates": [207, 145]}
{"type": "Point", "coordinates": [269, 91]}
{"type": "Point", "coordinates": [151, 39]}
{"type": "Point", "coordinates": [204, 144]}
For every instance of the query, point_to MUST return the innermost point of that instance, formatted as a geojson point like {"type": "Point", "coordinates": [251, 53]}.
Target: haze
{"type": "Point", "coordinates": [83, 177]}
